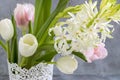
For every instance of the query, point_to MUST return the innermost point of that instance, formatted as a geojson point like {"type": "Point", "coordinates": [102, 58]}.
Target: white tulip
{"type": "Point", "coordinates": [28, 45]}
{"type": "Point", "coordinates": [6, 29]}
{"type": "Point", "coordinates": [67, 64]}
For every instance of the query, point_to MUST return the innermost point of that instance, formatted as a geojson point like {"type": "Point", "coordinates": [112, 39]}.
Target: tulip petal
{"type": "Point", "coordinates": [67, 64]}
{"type": "Point", "coordinates": [28, 45]}
{"type": "Point", "coordinates": [6, 29]}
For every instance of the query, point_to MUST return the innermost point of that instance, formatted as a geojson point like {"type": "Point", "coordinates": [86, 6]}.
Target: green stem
{"type": "Point", "coordinates": [51, 62]}
{"type": "Point", "coordinates": [14, 43]}
{"type": "Point", "coordinates": [25, 62]}
{"type": "Point", "coordinates": [30, 28]}
{"type": "Point", "coordinates": [14, 50]}
{"type": "Point", "coordinates": [8, 51]}
{"type": "Point", "coordinates": [3, 46]}
{"type": "Point", "coordinates": [23, 32]}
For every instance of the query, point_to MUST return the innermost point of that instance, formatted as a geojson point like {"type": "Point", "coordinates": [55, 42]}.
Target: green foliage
{"type": "Point", "coordinates": [42, 12]}
{"type": "Point", "coordinates": [45, 53]}
{"type": "Point", "coordinates": [80, 55]}
{"type": "Point", "coordinates": [43, 31]}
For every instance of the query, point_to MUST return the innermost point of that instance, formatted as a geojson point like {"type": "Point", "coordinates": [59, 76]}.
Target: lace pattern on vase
{"type": "Point", "coordinates": [41, 71]}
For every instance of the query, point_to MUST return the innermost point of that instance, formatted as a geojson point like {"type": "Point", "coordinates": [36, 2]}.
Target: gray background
{"type": "Point", "coordinates": [107, 69]}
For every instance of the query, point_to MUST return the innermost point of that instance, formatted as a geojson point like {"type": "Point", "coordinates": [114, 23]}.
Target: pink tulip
{"type": "Point", "coordinates": [24, 13]}
{"type": "Point", "coordinates": [98, 52]}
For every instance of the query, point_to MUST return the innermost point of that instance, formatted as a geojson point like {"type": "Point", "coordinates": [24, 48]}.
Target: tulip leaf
{"type": "Point", "coordinates": [44, 56]}
{"type": "Point", "coordinates": [46, 9]}
{"type": "Point", "coordinates": [42, 12]}
{"type": "Point", "coordinates": [43, 30]}
{"type": "Point", "coordinates": [45, 53]}
{"type": "Point", "coordinates": [80, 55]}
{"type": "Point", "coordinates": [38, 9]}
{"type": "Point", "coordinates": [14, 44]}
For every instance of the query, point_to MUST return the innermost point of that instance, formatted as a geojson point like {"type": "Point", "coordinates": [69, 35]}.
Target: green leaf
{"type": "Point", "coordinates": [45, 53]}
{"type": "Point", "coordinates": [42, 12]}
{"type": "Point", "coordinates": [38, 10]}
{"type": "Point", "coordinates": [44, 28]}
{"type": "Point", "coordinates": [46, 9]}
{"type": "Point", "coordinates": [14, 44]}
{"type": "Point", "coordinates": [80, 55]}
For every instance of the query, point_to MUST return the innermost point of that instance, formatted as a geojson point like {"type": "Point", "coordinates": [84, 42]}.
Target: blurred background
{"type": "Point", "coordinates": [107, 69]}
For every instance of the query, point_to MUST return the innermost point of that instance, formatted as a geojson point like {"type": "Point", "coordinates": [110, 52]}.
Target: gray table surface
{"type": "Point", "coordinates": [107, 69]}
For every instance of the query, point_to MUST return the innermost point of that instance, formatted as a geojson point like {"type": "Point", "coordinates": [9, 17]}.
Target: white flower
{"type": "Point", "coordinates": [63, 47]}
{"type": "Point", "coordinates": [82, 30]}
{"type": "Point", "coordinates": [57, 30]}
{"type": "Point", "coordinates": [6, 29]}
{"type": "Point", "coordinates": [67, 64]}
{"type": "Point", "coordinates": [28, 45]}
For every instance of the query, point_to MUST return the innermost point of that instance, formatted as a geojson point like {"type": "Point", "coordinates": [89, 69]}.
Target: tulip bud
{"type": "Point", "coordinates": [67, 64]}
{"type": "Point", "coordinates": [24, 13]}
{"type": "Point", "coordinates": [28, 45]}
{"type": "Point", "coordinates": [6, 29]}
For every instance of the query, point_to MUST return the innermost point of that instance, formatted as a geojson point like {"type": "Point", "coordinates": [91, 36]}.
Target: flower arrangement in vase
{"type": "Point", "coordinates": [82, 34]}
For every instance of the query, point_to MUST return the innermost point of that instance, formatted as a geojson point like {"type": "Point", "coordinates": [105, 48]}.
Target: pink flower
{"type": "Point", "coordinates": [88, 54]}
{"type": "Point", "coordinates": [98, 52]}
{"type": "Point", "coordinates": [24, 13]}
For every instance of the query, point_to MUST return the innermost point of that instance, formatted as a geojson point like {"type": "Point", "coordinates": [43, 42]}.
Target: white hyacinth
{"type": "Point", "coordinates": [83, 30]}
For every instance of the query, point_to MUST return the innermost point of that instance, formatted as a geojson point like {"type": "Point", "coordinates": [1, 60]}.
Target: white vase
{"type": "Point", "coordinates": [41, 71]}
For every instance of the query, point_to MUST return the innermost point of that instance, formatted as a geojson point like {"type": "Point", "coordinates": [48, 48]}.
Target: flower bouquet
{"type": "Point", "coordinates": [82, 34]}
